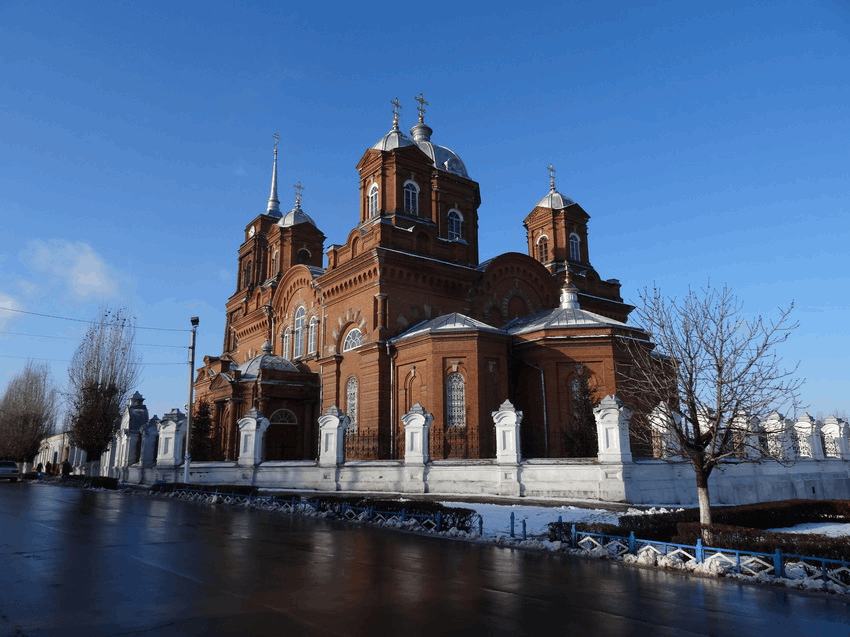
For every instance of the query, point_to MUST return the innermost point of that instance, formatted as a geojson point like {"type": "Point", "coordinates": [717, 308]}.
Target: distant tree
{"type": "Point", "coordinates": [202, 442]}
{"type": "Point", "coordinates": [103, 371]}
{"type": "Point", "coordinates": [27, 412]}
{"type": "Point", "coordinates": [716, 374]}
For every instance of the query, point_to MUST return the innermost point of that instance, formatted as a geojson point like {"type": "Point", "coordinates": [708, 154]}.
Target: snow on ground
{"type": "Point", "coordinates": [830, 529]}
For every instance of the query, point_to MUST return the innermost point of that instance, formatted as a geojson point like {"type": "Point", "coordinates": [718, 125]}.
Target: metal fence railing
{"type": "Point", "coordinates": [747, 563]}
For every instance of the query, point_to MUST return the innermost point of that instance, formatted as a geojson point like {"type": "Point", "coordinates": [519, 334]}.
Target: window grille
{"type": "Point", "coordinates": [411, 199]}
{"type": "Point", "coordinates": [455, 400]}
{"type": "Point", "coordinates": [351, 403]}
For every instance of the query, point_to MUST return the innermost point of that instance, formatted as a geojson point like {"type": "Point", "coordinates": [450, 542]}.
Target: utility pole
{"type": "Point", "coordinates": [187, 459]}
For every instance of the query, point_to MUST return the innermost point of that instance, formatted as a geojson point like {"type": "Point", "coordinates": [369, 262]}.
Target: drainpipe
{"type": "Point", "coordinates": [392, 396]}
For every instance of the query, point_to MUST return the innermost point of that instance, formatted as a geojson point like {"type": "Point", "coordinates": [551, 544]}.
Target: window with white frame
{"type": "Point", "coordinates": [300, 316]}
{"type": "Point", "coordinates": [411, 198]}
{"type": "Point", "coordinates": [287, 342]}
{"type": "Point", "coordinates": [455, 220]}
{"type": "Point", "coordinates": [373, 200]}
{"type": "Point", "coordinates": [353, 340]}
{"type": "Point", "coordinates": [312, 334]}
{"type": "Point", "coordinates": [543, 249]}
{"type": "Point", "coordinates": [455, 400]}
{"type": "Point", "coordinates": [575, 247]}
{"type": "Point", "coordinates": [351, 402]}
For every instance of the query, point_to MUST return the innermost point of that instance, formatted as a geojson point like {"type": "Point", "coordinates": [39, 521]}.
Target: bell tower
{"type": "Point", "coordinates": [422, 190]}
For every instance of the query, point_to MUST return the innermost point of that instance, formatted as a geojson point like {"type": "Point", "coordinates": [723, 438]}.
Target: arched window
{"type": "Point", "coordinates": [283, 417]}
{"type": "Point", "coordinates": [314, 328]}
{"type": "Point", "coordinates": [455, 220]}
{"type": "Point", "coordinates": [455, 401]}
{"type": "Point", "coordinates": [351, 402]}
{"type": "Point", "coordinates": [304, 257]}
{"type": "Point", "coordinates": [543, 249]}
{"type": "Point", "coordinates": [246, 274]}
{"type": "Point", "coordinates": [575, 245]}
{"type": "Point", "coordinates": [353, 340]}
{"type": "Point", "coordinates": [300, 315]}
{"type": "Point", "coordinates": [287, 342]}
{"type": "Point", "coordinates": [274, 263]}
{"type": "Point", "coordinates": [411, 198]}
{"type": "Point", "coordinates": [373, 200]}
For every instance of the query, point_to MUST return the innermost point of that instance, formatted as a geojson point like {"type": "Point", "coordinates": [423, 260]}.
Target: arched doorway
{"type": "Point", "coordinates": [282, 436]}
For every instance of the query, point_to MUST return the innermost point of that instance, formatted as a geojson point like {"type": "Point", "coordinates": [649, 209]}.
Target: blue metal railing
{"type": "Point", "coordinates": [784, 565]}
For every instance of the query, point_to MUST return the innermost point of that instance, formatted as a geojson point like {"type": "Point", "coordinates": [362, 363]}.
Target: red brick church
{"type": "Point", "coordinates": [403, 311]}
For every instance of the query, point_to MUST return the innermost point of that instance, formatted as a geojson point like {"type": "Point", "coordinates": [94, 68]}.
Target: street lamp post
{"type": "Point", "coordinates": [187, 459]}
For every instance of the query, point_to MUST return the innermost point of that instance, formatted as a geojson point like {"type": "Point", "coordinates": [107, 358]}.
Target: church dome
{"type": "Point", "coordinates": [442, 157]}
{"type": "Point", "coordinates": [555, 200]}
{"type": "Point", "coordinates": [295, 216]}
{"type": "Point", "coordinates": [394, 139]}
{"type": "Point", "coordinates": [251, 368]}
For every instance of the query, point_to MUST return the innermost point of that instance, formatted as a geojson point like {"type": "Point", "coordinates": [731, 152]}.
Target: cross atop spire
{"type": "Point", "coordinates": [298, 188]}
{"type": "Point", "coordinates": [396, 107]}
{"type": "Point", "coordinates": [421, 107]}
{"type": "Point", "coordinates": [273, 208]}
{"type": "Point", "coordinates": [551, 177]}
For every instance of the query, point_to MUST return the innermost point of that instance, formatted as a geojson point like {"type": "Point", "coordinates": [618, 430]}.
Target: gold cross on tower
{"type": "Point", "coordinates": [421, 107]}
{"type": "Point", "coordinates": [298, 188]}
{"type": "Point", "coordinates": [551, 177]}
{"type": "Point", "coordinates": [276, 140]}
{"type": "Point", "coordinates": [396, 107]}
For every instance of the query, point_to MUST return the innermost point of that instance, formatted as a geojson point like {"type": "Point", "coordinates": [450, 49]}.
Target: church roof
{"type": "Point", "coordinates": [562, 317]}
{"type": "Point", "coordinates": [555, 200]}
{"type": "Point", "coordinates": [443, 158]}
{"type": "Point", "coordinates": [446, 324]}
{"type": "Point", "coordinates": [251, 368]}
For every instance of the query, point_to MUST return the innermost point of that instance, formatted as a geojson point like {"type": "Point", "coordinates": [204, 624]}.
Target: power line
{"type": "Point", "coordinates": [71, 338]}
{"type": "Point", "coordinates": [65, 318]}
{"type": "Point", "coordinates": [59, 360]}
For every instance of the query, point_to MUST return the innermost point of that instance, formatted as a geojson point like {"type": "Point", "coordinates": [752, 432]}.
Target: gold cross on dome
{"type": "Point", "coordinates": [276, 140]}
{"type": "Point", "coordinates": [551, 177]}
{"type": "Point", "coordinates": [421, 107]}
{"type": "Point", "coordinates": [298, 188]}
{"type": "Point", "coordinates": [396, 107]}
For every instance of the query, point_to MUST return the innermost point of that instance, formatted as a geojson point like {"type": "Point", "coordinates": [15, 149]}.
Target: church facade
{"type": "Point", "coordinates": [403, 312]}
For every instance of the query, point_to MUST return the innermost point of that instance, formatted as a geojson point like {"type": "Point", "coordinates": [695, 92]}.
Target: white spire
{"type": "Point", "coordinates": [274, 205]}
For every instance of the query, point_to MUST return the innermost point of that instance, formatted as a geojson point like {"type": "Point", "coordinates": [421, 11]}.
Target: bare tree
{"type": "Point", "coordinates": [103, 371]}
{"type": "Point", "coordinates": [716, 374]}
{"type": "Point", "coordinates": [27, 412]}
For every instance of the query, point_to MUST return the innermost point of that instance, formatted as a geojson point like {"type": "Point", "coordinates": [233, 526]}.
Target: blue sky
{"type": "Point", "coordinates": [708, 141]}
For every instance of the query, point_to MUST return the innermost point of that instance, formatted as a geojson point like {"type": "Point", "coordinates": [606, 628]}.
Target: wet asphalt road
{"type": "Point", "coordinates": [76, 562]}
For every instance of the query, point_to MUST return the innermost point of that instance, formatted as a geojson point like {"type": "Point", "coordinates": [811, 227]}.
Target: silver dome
{"type": "Point", "coordinates": [555, 200]}
{"type": "Point", "coordinates": [394, 139]}
{"type": "Point", "coordinates": [443, 158]}
{"type": "Point", "coordinates": [250, 369]}
{"type": "Point", "coordinates": [294, 217]}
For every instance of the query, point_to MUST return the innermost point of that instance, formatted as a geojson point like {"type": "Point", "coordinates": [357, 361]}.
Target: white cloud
{"type": "Point", "coordinates": [75, 266]}
{"type": "Point", "coordinates": [6, 317]}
